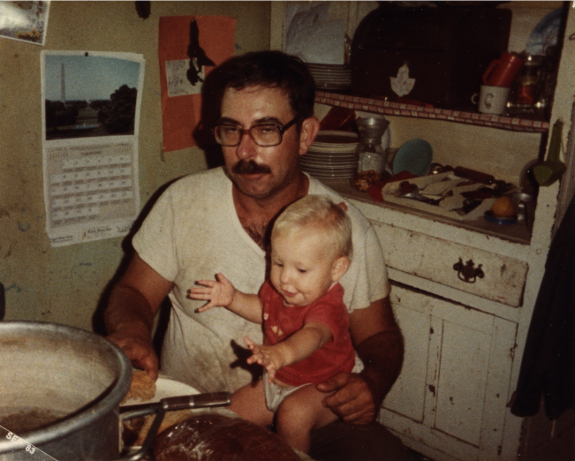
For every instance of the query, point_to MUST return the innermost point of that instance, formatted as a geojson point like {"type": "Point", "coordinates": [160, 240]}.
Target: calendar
{"type": "Point", "coordinates": [91, 191]}
{"type": "Point", "coordinates": [91, 113]}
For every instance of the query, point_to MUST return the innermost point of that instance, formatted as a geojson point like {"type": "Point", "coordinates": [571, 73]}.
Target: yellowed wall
{"type": "Point", "coordinates": [64, 284]}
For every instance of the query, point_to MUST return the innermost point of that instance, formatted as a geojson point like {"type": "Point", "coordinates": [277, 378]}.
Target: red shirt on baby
{"type": "Point", "coordinates": [281, 321]}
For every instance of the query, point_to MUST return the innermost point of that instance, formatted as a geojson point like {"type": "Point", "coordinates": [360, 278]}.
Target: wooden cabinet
{"type": "Point", "coordinates": [464, 292]}
{"type": "Point", "coordinates": [482, 273]}
{"type": "Point", "coordinates": [464, 335]}
{"type": "Point", "coordinates": [452, 391]}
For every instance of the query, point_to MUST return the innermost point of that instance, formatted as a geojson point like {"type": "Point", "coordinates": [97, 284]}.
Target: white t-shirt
{"type": "Point", "coordinates": [192, 233]}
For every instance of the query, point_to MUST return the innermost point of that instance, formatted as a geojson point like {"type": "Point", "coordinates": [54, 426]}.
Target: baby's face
{"type": "Point", "coordinates": [302, 267]}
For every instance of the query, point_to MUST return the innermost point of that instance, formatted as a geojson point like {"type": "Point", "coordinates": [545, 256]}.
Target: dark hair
{"type": "Point", "coordinates": [273, 69]}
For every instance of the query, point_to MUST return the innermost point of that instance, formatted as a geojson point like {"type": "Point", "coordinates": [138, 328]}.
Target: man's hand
{"type": "Point", "coordinates": [140, 351]}
{"type": "Point", "coordinates": [351, 400]}
{"type": "Point", "coordinates": [134, 301]}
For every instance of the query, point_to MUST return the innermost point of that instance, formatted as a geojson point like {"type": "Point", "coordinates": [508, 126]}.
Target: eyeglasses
{"type": "Point", "coordinates": [264, 135]}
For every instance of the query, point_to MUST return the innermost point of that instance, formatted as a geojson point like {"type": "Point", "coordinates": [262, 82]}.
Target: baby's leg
{"type": "Point", "coordinates": [301, 412]}
{"type": "Point", "coordinates": [249, 402]}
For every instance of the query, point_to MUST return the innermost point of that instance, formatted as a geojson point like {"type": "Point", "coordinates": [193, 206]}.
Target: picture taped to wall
{"type": "Point", "coordinates": [91, 103]}
{"type": "Point", "coordinates": [189, 48]}
{"type": "Point", "coordinates": [25, 21]}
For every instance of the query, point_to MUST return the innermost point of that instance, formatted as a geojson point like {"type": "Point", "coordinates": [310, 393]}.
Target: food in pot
{"type": "Point", "coordinates": [215, 437]}
{"type": "Point", "coordinates": [22, 420]}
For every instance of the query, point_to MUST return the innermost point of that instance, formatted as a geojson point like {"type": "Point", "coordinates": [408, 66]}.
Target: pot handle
{"type": "Point", "coordinates": [184, 402]}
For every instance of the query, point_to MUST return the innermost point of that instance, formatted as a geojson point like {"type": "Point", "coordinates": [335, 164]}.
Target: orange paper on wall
{"type": "Point", "coordinates": [182, 101]}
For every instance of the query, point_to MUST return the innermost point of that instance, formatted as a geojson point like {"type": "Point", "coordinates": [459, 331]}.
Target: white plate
{"type": "Point", "coordinates": [166, 387]}
{"type": "Point", "coordinates": [323, 157]}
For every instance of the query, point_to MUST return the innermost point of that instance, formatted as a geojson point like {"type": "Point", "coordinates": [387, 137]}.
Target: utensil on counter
{"type": "Point", "coordinates": [410, 190]}
{"type": "Point", "coordinates": [474, 175]}
{"type": "Point", "coordinates": [549, 171]}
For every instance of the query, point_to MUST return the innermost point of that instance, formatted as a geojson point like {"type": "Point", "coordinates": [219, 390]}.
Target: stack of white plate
{"type": "Point", "coordinates": [331, 76]}
{"type": "Point", "coordinates": [331, 155]}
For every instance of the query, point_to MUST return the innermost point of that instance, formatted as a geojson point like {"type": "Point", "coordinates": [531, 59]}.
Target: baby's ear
{"type": "Point", "coordinates": [342, 205]}
{"type": "Point", "coordinates": [339, 268]}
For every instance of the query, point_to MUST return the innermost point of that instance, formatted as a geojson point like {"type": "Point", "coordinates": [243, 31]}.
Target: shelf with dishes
{"type": "Point", "coordinates": [379, 106]}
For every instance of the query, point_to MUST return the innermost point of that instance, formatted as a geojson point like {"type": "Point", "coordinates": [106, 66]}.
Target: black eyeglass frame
{"type": "Point", "coordinates": [281, 129]}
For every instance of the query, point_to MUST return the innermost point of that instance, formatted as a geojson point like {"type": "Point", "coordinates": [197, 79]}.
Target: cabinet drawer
{"type": "Point", "coordinates": [481, 273]}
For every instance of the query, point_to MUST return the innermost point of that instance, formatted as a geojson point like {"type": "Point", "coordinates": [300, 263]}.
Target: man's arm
{"type": "Point", "coordinates": [379, 344]}
{"type": "Point", "coordinates": [129, 315]}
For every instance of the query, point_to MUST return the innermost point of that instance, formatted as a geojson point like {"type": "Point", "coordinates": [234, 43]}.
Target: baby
{"type": "Point", "coordinates": [306, 337]}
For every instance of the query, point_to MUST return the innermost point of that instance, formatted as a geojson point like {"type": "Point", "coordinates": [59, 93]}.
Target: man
{"type": "Point", "coordinates": [216, 221]}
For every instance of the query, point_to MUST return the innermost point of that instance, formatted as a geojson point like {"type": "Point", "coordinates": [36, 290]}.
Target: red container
{"type": "Point", "coordinates": [502, 72]}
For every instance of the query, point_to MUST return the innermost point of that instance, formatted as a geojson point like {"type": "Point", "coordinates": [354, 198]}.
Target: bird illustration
{"type": "Point", "coordinates": [197, 55]}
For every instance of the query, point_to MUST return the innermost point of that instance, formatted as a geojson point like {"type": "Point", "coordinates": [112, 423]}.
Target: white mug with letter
{"type": "Point", "coordinates": [492, 99]}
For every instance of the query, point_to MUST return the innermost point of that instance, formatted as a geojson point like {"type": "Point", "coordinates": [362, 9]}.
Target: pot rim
{"type": "Point", "coordinates": [110, 400]}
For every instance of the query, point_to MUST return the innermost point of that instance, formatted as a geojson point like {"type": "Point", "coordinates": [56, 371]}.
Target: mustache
{"type": "Point", "coordinates": [250, 167]}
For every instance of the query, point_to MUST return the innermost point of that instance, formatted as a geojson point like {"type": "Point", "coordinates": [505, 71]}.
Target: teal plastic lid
{"type": "Point", "coordinates": [414, 156]}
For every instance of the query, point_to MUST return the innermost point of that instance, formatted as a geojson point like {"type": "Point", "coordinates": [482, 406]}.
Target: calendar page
{"type": "Point", "coordinates": [90, 149]}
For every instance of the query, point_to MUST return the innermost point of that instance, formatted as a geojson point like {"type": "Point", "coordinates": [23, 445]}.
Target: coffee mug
{"type": "Point", "coordinates": [492, 99]}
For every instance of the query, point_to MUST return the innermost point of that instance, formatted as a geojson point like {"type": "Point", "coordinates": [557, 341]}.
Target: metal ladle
{"type": "Point", "coordinates": [415, 194]}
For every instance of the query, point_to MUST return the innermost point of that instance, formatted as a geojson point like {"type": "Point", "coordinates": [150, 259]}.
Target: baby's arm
{"type": "Point", "coordinates": [301, 344]}
{"type": "Point", "coordinates": [222, 293]}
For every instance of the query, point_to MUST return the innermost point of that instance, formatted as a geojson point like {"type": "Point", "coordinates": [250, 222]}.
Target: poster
{"type": "Point", "coordinates": [189, 48]}
{"type": "Point", "coordinates": [25, 21]}
{"type": "Point", "coordinates": [91, 105]}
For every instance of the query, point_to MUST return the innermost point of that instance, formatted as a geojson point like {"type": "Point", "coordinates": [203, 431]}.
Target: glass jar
{"type": "Point", "coordinates": [527, 82]}
{"type": "Point", "coordinates": [371, 155]}
{"type": "Point", "coordinates": [525, 95]}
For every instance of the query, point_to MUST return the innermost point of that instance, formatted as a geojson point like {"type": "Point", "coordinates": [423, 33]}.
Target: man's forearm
{"type": "Point", "coordinates": [128, 308]}
{"type": "Point", "coordinates": [382, 356]}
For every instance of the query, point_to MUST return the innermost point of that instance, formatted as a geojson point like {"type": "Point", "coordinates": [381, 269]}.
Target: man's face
{"type": "Point", "coordinates": [259, 172]}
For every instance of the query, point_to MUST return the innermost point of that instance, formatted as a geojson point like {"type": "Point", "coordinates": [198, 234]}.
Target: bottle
{"type": "Point", "coordinates": [527, 82]}
{"type": "Point", "coordinates": [371, 155]}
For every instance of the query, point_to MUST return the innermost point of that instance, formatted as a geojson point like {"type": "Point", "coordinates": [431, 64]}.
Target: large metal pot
{"type": "Point", "coordinates": [68, 371]}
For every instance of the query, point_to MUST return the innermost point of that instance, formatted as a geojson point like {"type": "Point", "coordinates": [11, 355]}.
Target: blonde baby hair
{"type": "Point", "coordinates": [320, 213]}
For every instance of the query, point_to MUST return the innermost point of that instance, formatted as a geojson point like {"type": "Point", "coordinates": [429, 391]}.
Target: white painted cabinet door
{"type": "Point", "coordinates": [454, 385]}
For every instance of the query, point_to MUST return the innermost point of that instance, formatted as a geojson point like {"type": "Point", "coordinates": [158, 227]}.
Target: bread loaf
{"type": "Point", "coordinates": [142, 387]}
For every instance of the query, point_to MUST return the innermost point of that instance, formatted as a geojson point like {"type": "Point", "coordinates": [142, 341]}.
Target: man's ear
{"type": "Point", "coordinates": [309, 129]}
{"type": "Point", "coordinates": [339, 268]}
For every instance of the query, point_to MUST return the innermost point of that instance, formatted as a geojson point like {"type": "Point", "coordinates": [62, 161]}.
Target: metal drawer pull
{"type": "Point", "coordinates": [468, 272]}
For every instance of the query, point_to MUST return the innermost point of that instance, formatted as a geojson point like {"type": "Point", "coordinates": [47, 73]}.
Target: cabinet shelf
{"type": "Point", "coordinates": [432, 113]}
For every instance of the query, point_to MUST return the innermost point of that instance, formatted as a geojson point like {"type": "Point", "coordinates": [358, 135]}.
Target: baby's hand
{"type": "Point", "coordinates": [268, 357]}
{"type": "Point", "coordinates": [219, 293]}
